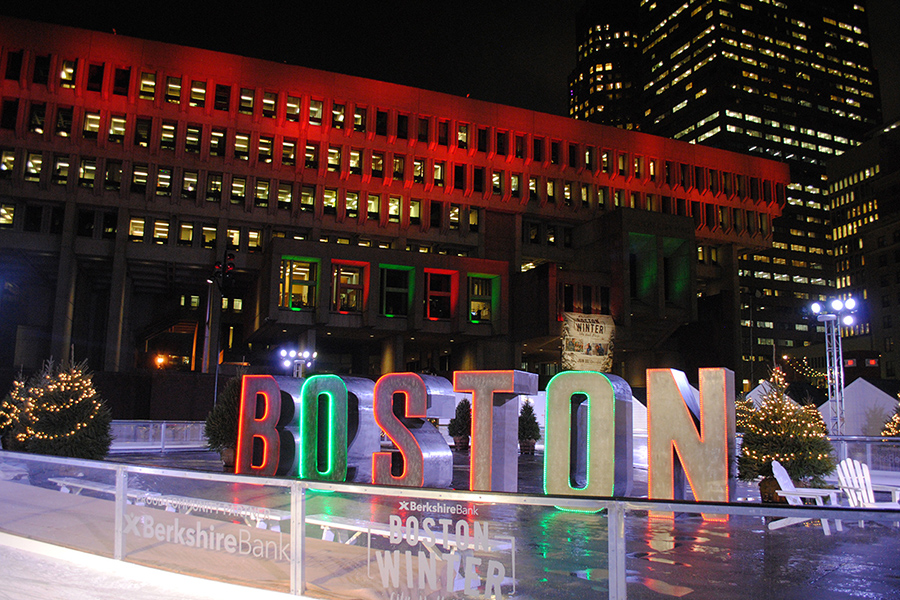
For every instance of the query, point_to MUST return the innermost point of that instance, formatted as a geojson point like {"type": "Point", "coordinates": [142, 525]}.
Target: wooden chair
{"type": "Point", "coordinates": [856, 482]}
{"type": "Point", "coordinates": [795, 497]}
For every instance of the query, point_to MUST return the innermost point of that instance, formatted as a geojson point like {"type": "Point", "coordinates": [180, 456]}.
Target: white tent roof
{"type": "Point", "coordinates": [866, 408]}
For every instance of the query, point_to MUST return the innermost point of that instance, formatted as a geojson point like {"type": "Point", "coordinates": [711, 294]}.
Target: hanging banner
{"type": "Point", "coordinates": [588, 342]}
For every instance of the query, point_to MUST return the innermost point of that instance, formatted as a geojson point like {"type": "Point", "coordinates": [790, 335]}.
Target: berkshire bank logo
{"type": "Point", "coordinates": [438, 507]}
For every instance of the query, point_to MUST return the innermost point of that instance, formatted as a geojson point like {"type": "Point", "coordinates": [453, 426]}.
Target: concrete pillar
{"type": "Point", "coordinates": [392, 355]}
{"type": "Point", "coordinates": [115, 321]}
{"type": "Point", "coordinates": [66, 278]}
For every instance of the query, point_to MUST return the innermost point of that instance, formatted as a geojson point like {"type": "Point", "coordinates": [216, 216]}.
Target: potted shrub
{"type": "Point", "coordinates": [222, 423]}
{"type": "Point", "coordinates": [793, 435]}
{"type": "Point", "coordinates": [460, 427]}
{"type": "Point", "coordinates": [529, 430]}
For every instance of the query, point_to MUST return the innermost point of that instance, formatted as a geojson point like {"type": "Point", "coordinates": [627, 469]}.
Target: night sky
{"type": "Point", "coordinates": [516, 53]}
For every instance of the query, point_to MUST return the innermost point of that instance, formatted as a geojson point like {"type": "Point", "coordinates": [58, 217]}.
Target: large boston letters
{"type": "Point", "coordinates": [327, 427]}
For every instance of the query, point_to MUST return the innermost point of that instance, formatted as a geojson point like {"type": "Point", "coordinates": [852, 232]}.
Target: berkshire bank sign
{"type": "Point", "coordinates": [328, 428]}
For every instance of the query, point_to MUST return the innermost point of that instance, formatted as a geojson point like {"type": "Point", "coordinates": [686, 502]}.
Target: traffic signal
{"type": "Point", "coordinates": [229, 266]}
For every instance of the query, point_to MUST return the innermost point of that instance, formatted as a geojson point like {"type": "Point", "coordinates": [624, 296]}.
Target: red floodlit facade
{"type": "Point", "coordinates": [388, 227]}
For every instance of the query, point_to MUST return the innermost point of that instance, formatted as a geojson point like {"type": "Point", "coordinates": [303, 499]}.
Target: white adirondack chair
{"type": "Point", "coordinates": [795, 497]}
{"type": "Point", "coordinates": [856, 482]}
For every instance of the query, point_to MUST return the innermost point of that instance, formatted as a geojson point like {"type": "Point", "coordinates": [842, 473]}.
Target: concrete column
{"type": "Point", "coordinates": [392, 355]}
{"type": "Point", "coordinates": [66, 278]}
{"type": "Point", "coordinates": [115, 322]}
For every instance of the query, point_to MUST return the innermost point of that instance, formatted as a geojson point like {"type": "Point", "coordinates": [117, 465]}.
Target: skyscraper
{"type": "Point", "coordinates": [791, 80]}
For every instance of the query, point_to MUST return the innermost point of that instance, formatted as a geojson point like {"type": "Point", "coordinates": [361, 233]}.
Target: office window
{"type": "Point", "coordinates": [418, 170]}
{"type": "Point", "coordinates": [185, 234]}
{"type": "Point", "coordinates": [443, 133]}
{"type": "Point", "coordinates": [355, 159]}
{"type": "Point", "coordinates": [359, 119]}
{"type": "Point", "coordinates": [173, 90]}
{"type": "Point", "coordinates": [478, 179]}
{"type": "Point", "coordinates": [285, 195]}
{"type": "Point", "coordinates": [91, 127]}
{"type": "Point", "coordinates": [394, 203]}
{"type": "Point", "coordinates": [308, 198]}
{"type": "Point", "coordinates": [238, 189]}
{"type": "Point", "coordinates": [459, 177]}
{"type": "Point", "coordinates": [189, 185]}
{"type": "Point", "coordinates": [264, 151]}
{"type": "Point", "coordinates": [351, 204]}
{"type": "Point", "coordinates": [520, 146]}
{"type": "Point", "coordinates": [573, 156]}
{"type": "Point", "coordinates": [378, 164]}
{"type": "Point", "coordinates": [193, 135]}
{"type": "Point", "coordinates": [164, 181]}
{"type": "Point", "coordinates": [337, 115]}
{"type": "Point", "coordinates": [502, 143]}
{"type": "Point", "coordinates": [462, 136]}
{"type": "Point", "coordinates": [515, 185]}
{"type": "Point", "coordinates": [454, 216]}
{"type": "Point", "coordinates": [270, 104]}
{"type": "Point", "coordinates": [7, 163]}
{"type": "Point", "coordinates": [7, 212]}
{"type": "Point", "coordinates": [142, 132]}
{"type": "Point", "coordinates": [147, 86]}
{"type": "Point", "coordinates": [538, 150]}
{"type": "Point", "coordinates": [121, 81]}
{"type": "Point", "coordinates": [423, 130]}
{"type": "Point", "coordinates": [233, 238]}
{"type": "Point", "coordinates": [217, 142]}
{"type": "Point", "coordinates": [474, 219]}
{"type": "Point", "coordinates": [438, 301]}
{"type": "Point", "coordinates": [113, 178]}
{"type": "Point", "coordinates": [36, 117]}
{"type": "Point", "coordinates": [160, 232]}
{"type": "Point", "coordinates": [373, 206]}
{"type": "Point", "coordinates": [213, 187]}
{"type": "Point", "coordinates": [246, 101]}
{"type": "Point", "coordinates": [116, 129]}
{"type": "Point", "coordinates": [311, 156]}
{"type": "Point", "coordinates": [136, 229]}
{"type": "Point", "coordinates": [33, 166]}
{"type": "Point", "coordinates": [381, 122]}
{"type": "Point", "coordinates": [403, 127]}
{"type": "Point", "coordinates": [395, 288]}
{"type": "Point", "coordinates": [168, 134]}
{"type": "Point", "coordinates": [94, 81]}
{"type": "Point", "coordinates": [298, 283]}
{"type": "Point", "coordinates": [399, 166]}
{"type": "Point", "coordinates": [480, 299]}
{"type": "Point", "coordinates": [41, 74]}
{"type": "Point", "coordinates": [497, 182]}
{"type": "Point", "coordinates": [436, 213]}
{"type": "Point", "coordinates": [292, 108]}
{"type": "Point", "coordinates": [242, 146]}
{"type": "Point", "coordinates": [63, 121]}
{"type": "Point", "coordinates": [315, 112]}
{"type": "Point", "coordinates": [222, 100]}
{"type": "Point", "coordinates": [347, 289]}
{"type": "Point", "coordinates": [198, 94]}
{"type": "Point", "coordinates": [87, 172]}
{"type": "Point", "coordinates": [329, 201]}
{"type": "Point", "coordinates": [439, 168]}
{"type": "Point", "coordinates": [334, 158]}
{"type": "Point", "coordinates": [261, 194]}
{"type": "Point", "coordinates": [208, 239]}
{"type": "Point", "coordinates": [60, 169]}
{"type": "Point", "coordinates": [415, 212]}
{"type": "Point", "coordinates": [10, 114]}
{"type": "Point", "coordinates": [288, 153]}
{"type": "Point", "coordinates": [67, 73]}
{"type": "Point", "coordinates": [482, 141]}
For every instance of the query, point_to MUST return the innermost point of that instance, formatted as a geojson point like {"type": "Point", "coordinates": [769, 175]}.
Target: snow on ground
{"type": "Point", "coordinates": [35, 571]}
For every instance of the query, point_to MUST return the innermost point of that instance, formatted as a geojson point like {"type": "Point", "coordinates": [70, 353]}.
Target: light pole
{"type": "Point", "coordinates": [834, 356]}
{"type": "Point", "coordinates": [297, 361]}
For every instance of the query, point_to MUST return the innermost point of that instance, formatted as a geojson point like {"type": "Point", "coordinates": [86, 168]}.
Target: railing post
{"type": "Point", "coordinates": [615, 517]}
{"type": "Point", "coordinates": [298, 537]}
{"type": "Point", "coordinates": [162, 440]}
{"type": "Point", "coordinates": [121, 501]}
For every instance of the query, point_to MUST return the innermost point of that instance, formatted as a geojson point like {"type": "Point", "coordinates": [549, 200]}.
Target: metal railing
{"type": "Point", "coordinates": [157, 436]}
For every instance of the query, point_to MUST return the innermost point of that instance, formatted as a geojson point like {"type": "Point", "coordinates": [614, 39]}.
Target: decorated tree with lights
{"type": "Point", "coordinates": [58, 412]}
{"type": "Point", "coordinates": [778, 429]}
{"type": "Point", "coordinates": [892, 426]}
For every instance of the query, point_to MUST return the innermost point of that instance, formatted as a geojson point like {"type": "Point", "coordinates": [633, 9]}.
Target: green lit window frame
{"type": "Point", "coordinates": [494, 296]}
{"type": "Point", "coordinates": [410, 289]}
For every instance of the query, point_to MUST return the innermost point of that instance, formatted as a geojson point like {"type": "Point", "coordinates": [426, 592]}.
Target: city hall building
{"type": "Point", "coordinates": [384, 227]}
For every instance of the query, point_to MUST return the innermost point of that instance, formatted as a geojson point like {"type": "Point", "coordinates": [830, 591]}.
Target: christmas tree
{"type": "Point", "coordinates": [781, 430]}
{"type": "Point", "coordinates": [892, 426]}
{"type": "Point", "coordinates": [528, 425]}
{"type": "Point", "coordinates": [222, 421]}
{"type": "Point", "coordinates": [58, 412]}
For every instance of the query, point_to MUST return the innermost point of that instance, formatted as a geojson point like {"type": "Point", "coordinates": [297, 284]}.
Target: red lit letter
{"type": "Point", "coordinates": [257, 426]}
{"type": "Point", "coordinates": [411, 386]}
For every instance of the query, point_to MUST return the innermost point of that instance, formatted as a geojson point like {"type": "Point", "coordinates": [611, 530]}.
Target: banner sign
{"type": "Point", "coordinates": [588, 342]}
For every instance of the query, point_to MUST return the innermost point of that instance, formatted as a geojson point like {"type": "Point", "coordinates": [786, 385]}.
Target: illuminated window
{"type": "Point", "coordinates": [439, 168]}
{"type": "Point", "coordinates": [298, 283]}
{"type": "Point", "coordinates": [515, 185]}
{"type": "Point", "coordinates": [373, 206]}
{"type": "Point", "coordinates": [395, 287]}
{"type": "Point", "coordinates": [233, 238]}
{"type": "Point", "coordinates": [292, 108]}
{"type": "Point", "coordinates": [60, 169]}
{"type": "Point", "coordinates": [351, 204]}
{"type": "Point", "coordinates": [347, 289]}
{"type": "Point", "coordinates": [418, 170]}
{"type": "Point", "coordinates": [87, 172]}
{"type": "Point", "coordinates": [394, 209]}
{"type": "Point", "coordinates": [63, 121]}
{"type": "Point", "coordinates": [217, 142]}
{"type": "Point", "coordinates": [415, 212]}
{"type": "Point", "coordinates": [480, 299]}
{"type": "Point", "coordinates": [496, 182]}
{"type": "Point", "coordinates": [136, 229]}
{"type": "Point", "coordinates": [329, 201]}
{"type": "Point", "coordinates": [462, 135]}
{"type": "Point", "coordinates": [7, 211]}
{"type": "Point", "coordinates": [307, 198]}
{"type": "Point", "coordinates": [264, 152]}
{"type": "Point", "coordinates": [198, 94]}
{"type": "Point", "coordinates": [261, 194]}
{"type": "Point", "coordinates": [454, 216]}
{"type": "Point", "coordinates": [334, 158]}
{"type": "Point", "coordinates": [213, 187]}
{"type": "Point", "coordinates": [173, 90]}
{"type": "Point", "coordinates": [208, 239]}
{"type": "Point", "coordinates": [160, 232]}
{"type": "Point", "coordinates": [254, 240]}
{"type": "Point", "coordinates": [399, 166]}
{"type": "Point", "coordinates": [315, 112]}
{"type": "Point", "coordinates": [238, 190]}
{"type": "Point", "coordinates": [473, 219]}
{"type": "Point", "coordinates": [193, 135]}
{"type": "Point", "coordinates": [359, 119]}
{"type": "Point", "coordinates": [439, 289]}
{"type": "Point", "coordinates": [247, 100]}
{"type": "Point", "coordinates": [67, 74]}
{"type": "Point", "coordinates": [167, 135]}
{"type": "Point", "coordinates": [285, 195]}
{"type": "Point", "coordinates": [311, 156]}
{"type": "Point", "coordinates": [269, 104]}
{"type": "Point", "coordinates": [337, 116]}
{"type": "Point", "coordinates": [91, 125]}
{"type": "Point", "coordinates": [242, 146]}
{"type": "Point", "coordinates": [116, 129]}
{"type": "Point", "coordinates": [36, 117]}
{"type": "Point", "coordinates": [378, 164]}
{"type": "Point", "coordinates": [189, 185]}
{"type": "Point", "coordinates": [288, 153]}
{"type": "Point", "coordinates": [164, 181]}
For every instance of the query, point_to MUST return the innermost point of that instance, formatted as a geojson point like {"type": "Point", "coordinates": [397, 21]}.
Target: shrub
{"type": "Point", "coordinates": [461, 424]}
{"type": "Point", "coordinates": [222, 421]}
